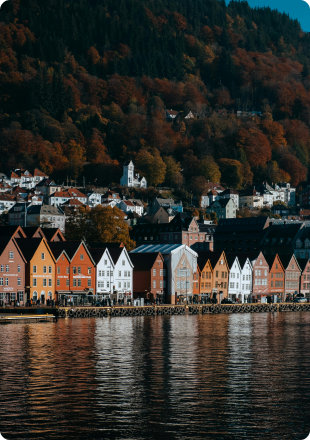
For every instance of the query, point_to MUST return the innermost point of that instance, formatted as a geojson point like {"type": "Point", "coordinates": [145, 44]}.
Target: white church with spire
{"type": "Point", "coordinates": [130, 179]}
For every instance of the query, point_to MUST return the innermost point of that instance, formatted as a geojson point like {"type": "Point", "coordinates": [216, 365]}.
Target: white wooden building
{"type": "Point", "coordinates": [114, 273]}
{"type": "Point", "coordinates": [240, 278]}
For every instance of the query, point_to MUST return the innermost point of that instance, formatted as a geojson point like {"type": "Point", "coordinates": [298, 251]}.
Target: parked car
{"type": "Point", "coordinates": [300, 300]}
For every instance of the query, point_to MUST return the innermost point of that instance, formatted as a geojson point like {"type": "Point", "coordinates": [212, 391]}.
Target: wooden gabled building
{"type": "Point", "coordinates": [220, 272]}
{"type": "Point", "coordinates": [276, 275]}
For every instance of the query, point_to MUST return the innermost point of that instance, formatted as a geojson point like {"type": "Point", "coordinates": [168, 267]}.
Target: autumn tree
{"type": "Point", "coordinates": [232, 172]}
{"type": "Point", "coordinates": [173, 172]}
{"type": "Point", "coordinates": [151, 166]}
{"type": "Point", "coordinates": [209, 170]}
{"type": "Point", "coordinates": [100, 224]}
{"type": "Point", "coordinates": [255, 145]}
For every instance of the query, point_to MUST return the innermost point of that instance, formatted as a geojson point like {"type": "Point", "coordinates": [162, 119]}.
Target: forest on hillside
{"type": "Point", "coordinates": [84, 85]}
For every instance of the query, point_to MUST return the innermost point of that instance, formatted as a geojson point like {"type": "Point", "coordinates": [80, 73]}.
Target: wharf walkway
{"type": "Point", "coordinates": [101, 312]}
{"type": "Point", "coordinates": [11, 318]}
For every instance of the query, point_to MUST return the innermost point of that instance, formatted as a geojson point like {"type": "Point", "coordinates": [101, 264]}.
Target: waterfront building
{"type": "Point", "coordinates": [123, 274]}
{"type": "Point", "coordinates": [220, 276]}
{"type": "Point", "coordinates": [205, 275]}
{"type": "Point", "coordinates": [276, 275]}
{"type": "Point", "coordinates": [260, 276]}
{"type": "Point", "coordinates": [75, 270]}
{"type": "Point", "coordinates": [12, 271]}
{"type": "Point", "coordinates": [149, 276]}
{"type": "Point", "coordinates": [304, 265]}
{"type": "Point", "coordinates": [292, 275]}
{"type": "Point", "coordinates": [234, 283]}
{"type": "Point", "coordinates": [40, 269]}
{"type": "Point", "coordinates": [240, 234]}
{"type": "Point", "coordinates": [47, 187]}
{"type": "Point", "coordinates": [181, 264]}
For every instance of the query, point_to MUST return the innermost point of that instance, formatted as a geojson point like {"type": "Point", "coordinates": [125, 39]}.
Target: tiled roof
{"type": "Point", "coordinates": [164, 249]}
{"type": "Point", "coordinates": [70, 193]}
{"type": "Point", "coordinates": [5, 197]}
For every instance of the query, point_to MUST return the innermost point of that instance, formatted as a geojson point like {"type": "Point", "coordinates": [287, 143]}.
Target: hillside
{"type": "Point", "coordinates": [84, 86]}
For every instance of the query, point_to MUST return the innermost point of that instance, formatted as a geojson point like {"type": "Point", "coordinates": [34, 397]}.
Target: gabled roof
{"type": "Point", "coordinates": [97, 253]}
{"type": "Point", "coordinates": [145, 262]}
{"type": "Point", "coordinates": [128, 202]}
{"type": "Point", "coordinates": [52, 233]}
{"type": "Point", "coordinates": [44, 210]}
{"type": "Point", "coordinates": [213, 256]}
{"type": "Point", "coordinates": [11, 231]}
{"type": "Point", "coordinates": [286, 259]}
{"type": "Point", "coordinates": [231, 258]}
{"type": "Point", "coordinates": [71, 248]}
{"type": "Point", "coordinates": [222, 202]}
{"type": "Point", "coordinates": [47, 183]}
{"type": "Point", "coordinates": [31, 231]}
{"type": "Point", "coordinates": [302, 262]}
{"type": "Point", "coordinates": [29, 246]}
{"type": "Point", "coordinates": [271, 259]}
{"type": "Point", "coordinates": [69, 193]}
{"type": "Point", "coordinates": [5, 240]}
{"type": "Point", "coordinates": [201, 263]}
{"type": "Point", "coordinates": [172, 112]}
{"type": "Point", "coordinates": [115, 253]}
{"type": "Point", "coordinates": [7, 198]}
{"type": "Point", "coordinates": [38, 173]}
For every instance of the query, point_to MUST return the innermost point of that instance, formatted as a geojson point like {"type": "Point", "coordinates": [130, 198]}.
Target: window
{"type": "Point", "coordinates": [123, 262]}
{"type": "Point", "coordinates": [11, 256]}
{"type": "Point", "coordinates": [42, 256]}
{"type": "Point", "coordinates": [34, 282]}
{"type": "Point", "coordinates": [2, 268]}
{"type": "Point", "coordinates": [79, 269]}
{"type": "Point", "coordinates": [74, 283]}
{"type": "Point", "coordinates": [68, 270]}
{"type": "Point", "coordinates": [58, 282]}
{"type": "Point", "coordinates": [119, 273]}
{"type": "Point", "coordinates": [261, 262]}
{"type": "Point", "coordinates": [44, 282]}
{"type": "Point", "coordinates": [88, 283]}
{"type": "Point", "coordinates": [67, 282]}
{"type": "Point", "coordinates": [20, 296]}
{"type": "Point", "coordinates": [81, 257]}
{"type": "Point", "coordinates": [50, 282]}
{"type": "Point", "coordinates": [105, 262]}
{"type": "Point", "coordinates": [50, 269]}
{"type": "Point", "coordinates": [89, 271]}
{"type": "Point", "coordinates": [217, 274]}
{"type": "Point", "coordinates": [18, 269]}
{"type": "Point", "coordinates": [74, 270]}
{"type": "Point", "coordinates": [79, 282]}
{"type": "Point", "coordinates": [119, 285]}
{"type": "Point", "coordinates": [154, 284]}
{"type": "Point", "coordinates": [7, 268]}
{"type": "Point", "coordinates": [178, 284]}
{"type": "Point", "coordinates": [44, 269]}
{"type": "Point", "coordinates": [232, 285]}
{"type": "Point", "coordinates": [1, 281]}
{"type": "Point", "coordinates": [19, 281]}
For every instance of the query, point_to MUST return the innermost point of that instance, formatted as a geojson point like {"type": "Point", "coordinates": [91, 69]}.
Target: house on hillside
{"type": "Point", "coordinates": [171, 114]}
{"type": "Point", "coordinates": [223, 208]}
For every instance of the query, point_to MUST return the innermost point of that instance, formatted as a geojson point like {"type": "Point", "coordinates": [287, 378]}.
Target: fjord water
{"type": "Point", "coordinates": [171, 377]}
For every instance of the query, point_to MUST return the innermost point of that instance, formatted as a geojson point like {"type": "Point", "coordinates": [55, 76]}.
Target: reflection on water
{"type": "Point", "coordinates": [171, 377]}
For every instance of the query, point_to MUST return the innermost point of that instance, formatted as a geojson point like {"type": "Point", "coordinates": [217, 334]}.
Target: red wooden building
{"type": "Point", "coordinates": [75, 270]}
{"type": "Point", "coordinates": [12, 271]}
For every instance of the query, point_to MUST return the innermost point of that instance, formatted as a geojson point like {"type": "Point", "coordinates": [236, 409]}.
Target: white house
{"type": "Point", "coordinates": [240, 278]}
{"type": "Point", "coordinates": [93, 199]}
{"type": "Point", "coordinates": [114, 273]}
{"type": "Point", "coordinates": [130, 179]}
{"type": "Point", "coordinates": [110, 198]}
{"type": "Point", "coordinates": [6, 202]}
{"type": "Point", "coordinates": [229, 194]}
{"type": "Point", "coordinates": [127, 206]}
{"type": "Point", "coordinates": [289, 193]}
{"type": "Point", "coordinates": [60, 197]}
{"type": "Point", "coordinates": [46, 216]}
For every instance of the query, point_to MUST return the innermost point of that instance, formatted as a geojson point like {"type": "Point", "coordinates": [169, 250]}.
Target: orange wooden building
{"type": "Point", "coordinates": [75, 270]}
{"type": "Point", "coordinates": [216, 272]}
{"type": "Point", "coordinates": [40, 269]}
